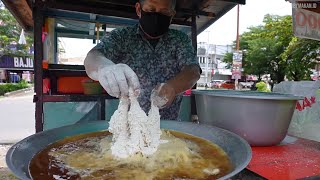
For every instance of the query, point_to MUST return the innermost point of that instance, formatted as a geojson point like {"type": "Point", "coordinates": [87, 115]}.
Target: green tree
{"type": "Point", "coordinates": [259, 53]}
{"type": "Point", "coordinates": [272, 49]}
{"type": "Point", "coordinates": [251, 64]}
{"type": "Point", "coordinates": [264, 46]}
{"type": "Point", "coordinates": [278, 28]}
{"type": "Point", "coordinates": [301, 55]}
{"type": "Point", "coordinates": [228, 59]}
{"type": "Point", "coordinates": [254, 58]}
{"type": "Point", "coordinates": [10, 32]}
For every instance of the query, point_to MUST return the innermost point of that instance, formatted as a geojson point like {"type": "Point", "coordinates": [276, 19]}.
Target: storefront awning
{"type": "Point", "coordinates": [207, 11]}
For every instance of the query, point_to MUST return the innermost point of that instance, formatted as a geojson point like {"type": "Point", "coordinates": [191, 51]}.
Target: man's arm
{"type": "Point", "coordinates": [163, 95]}
{"type": "Point", "coordinates": [103, 64]}
{"type": "Point", "coordinates": [94, 61]}
{"type": "Point", "coordinates": [188, 76]}
{"type": "Point", "coordinates": [105, 53]}
{"type": "Point", "coordinates": [186, 79]}
{"type": "Point", "coordinates": [187, 63]}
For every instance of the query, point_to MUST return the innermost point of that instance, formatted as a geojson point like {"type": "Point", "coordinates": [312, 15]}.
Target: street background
{"type": "Point", "coordinates": [16, 123]}
{"type": "Point", "coordinates": [17, 118]}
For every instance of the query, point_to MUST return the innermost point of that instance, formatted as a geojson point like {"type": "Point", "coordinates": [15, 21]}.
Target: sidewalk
{"type": "Point", "coordinates": [17, 122]}
{"type": "Point", "coordinates": [3, 152]}
{"type": "Point", "coordinates": [17, 118]}
{"type": "Point", "coordinates": [5, 173]}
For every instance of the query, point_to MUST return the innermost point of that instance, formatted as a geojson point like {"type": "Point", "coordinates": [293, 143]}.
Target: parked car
{"type": "Point", "coordinates": [227, 85]}
{"type": "Point", "coordinates": [246, 85]}
{"type": "Point", "coordinates": [216, 84]}
{"type": "Point", "coordinates": [201, 84]}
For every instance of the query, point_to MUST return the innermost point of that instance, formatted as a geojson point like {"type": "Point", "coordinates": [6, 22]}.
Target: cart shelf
{"type": "Point", "coordinates": [75, 98]}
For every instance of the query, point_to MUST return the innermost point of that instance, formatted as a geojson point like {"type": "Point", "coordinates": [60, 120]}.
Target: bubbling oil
{"type": "Point", "coordinates": [88, 156]}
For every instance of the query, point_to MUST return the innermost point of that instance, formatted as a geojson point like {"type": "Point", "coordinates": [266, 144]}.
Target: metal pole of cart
{"type": "Point", "coordinates": [194, 44]}
{"type": "Point", "coordinates": [38, 19]}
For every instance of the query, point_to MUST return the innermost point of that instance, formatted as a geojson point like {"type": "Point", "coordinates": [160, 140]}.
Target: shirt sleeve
{"type": "Point", "coordinates": [186, 55]}
{"type": "Point", "coordinates": [110, 46]}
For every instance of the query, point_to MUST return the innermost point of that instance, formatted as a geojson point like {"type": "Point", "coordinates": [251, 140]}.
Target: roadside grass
{"type": "Point", "coordinates": [9, 87]}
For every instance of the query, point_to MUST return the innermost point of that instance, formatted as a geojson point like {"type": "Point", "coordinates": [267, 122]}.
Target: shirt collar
{"type": "Point", "coordinates": [139, 32]}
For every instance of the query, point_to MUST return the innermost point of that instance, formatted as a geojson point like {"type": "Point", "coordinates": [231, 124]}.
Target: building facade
{"type": "Point", "coordinates": [210, 57]}
{"type": "Point", "coordinates": [15, 68]}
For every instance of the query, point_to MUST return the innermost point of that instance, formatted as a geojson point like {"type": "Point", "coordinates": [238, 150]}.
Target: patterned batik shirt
{"type": "Point", "coordinates": [153, 65]}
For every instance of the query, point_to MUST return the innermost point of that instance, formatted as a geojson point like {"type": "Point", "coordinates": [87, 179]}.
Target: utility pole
{"type": "Point", "coordinates": [318, 67]}
{"type": "Point", "coordinates": [214, 61]}
{"type": "Point", "coordinates": [238, 14]}
{"type": "Point", "coordinates": [238, 46]}
{"type": "Point", "coordinates": [207, 58]}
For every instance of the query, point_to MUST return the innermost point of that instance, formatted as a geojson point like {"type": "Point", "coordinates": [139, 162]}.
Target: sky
{"type": "Point", "coordinates": [222, 32]}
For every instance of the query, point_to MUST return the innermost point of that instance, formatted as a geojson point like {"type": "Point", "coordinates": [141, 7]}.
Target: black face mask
{"type": "Point", "coordinates": [154, 24]}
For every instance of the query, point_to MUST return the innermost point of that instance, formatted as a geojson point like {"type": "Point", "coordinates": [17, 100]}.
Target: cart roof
{"type": "Point", "coordinates": [207, 11]}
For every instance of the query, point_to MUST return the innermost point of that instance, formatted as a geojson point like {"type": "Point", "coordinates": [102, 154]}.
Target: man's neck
{"type": "Point", "coordinates": [147, 36]}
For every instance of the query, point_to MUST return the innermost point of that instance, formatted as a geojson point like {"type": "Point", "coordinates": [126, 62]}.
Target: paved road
{"type": "Point", "coordinates": [16, 118]}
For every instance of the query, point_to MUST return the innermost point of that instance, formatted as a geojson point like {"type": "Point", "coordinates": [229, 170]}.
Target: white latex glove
{"type": "Point", "coordinates": [163, 95]}
{"type": "Point", "coordinates": [116, 80]}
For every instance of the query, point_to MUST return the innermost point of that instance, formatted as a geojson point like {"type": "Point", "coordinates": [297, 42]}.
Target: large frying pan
{"type": "Point", "coordinates": [20, 154]}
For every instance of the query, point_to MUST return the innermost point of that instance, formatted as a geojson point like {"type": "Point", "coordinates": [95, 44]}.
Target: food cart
{"type": "Point", "coordinates": [56, 84]}
{"type": "Point", "coordinates": [58, 87]}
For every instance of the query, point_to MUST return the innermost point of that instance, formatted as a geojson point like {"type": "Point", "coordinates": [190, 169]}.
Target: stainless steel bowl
{"type": "Point", "coordinates": [19, 155]}
{"type": "Point", "coordinates": [261, 118]}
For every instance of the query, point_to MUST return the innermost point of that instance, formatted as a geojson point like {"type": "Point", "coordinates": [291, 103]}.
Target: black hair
{"type": "Point", "coordinates": [173, 3]}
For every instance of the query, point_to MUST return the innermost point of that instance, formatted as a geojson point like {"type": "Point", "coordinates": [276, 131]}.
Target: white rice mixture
{"type": "Point", "coordinates": [133, 130]}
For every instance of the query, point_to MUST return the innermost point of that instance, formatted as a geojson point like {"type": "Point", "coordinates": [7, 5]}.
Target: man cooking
{"type": "Point", "coordinates": [148, 57]}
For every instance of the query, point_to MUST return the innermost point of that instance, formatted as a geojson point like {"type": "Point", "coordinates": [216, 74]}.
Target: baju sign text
{"type": "Point", "coordinates": [306, 21]}
{"type": "Point", "coordinates": [20, 62]}
{"type": "Point", "coordinates": [16, 62]}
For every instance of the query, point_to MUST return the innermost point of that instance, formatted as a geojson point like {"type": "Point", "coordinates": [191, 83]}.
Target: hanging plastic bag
{"type": "Point", "coordinates": [305, 122]}
{"type": "Point", "coordinates": [22, 39]}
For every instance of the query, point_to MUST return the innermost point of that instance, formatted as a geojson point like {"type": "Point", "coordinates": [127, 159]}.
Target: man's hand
{"type": "Point", "coordinates": [117, 79]}
{"type": "Point", "coordinates": [186, 79]}
{"type": "Point", "coordinates": [163, 95]}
